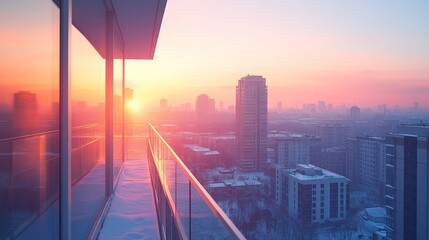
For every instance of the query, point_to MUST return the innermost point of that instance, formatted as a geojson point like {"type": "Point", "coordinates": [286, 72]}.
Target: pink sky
{"type": "Point", "coordinates": [355, 53]}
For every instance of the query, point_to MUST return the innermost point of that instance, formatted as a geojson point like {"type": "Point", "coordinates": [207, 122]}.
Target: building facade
{"type": "Point", "coordinates": [366, 160]}
{"type": "Point", "coordinates": [204, 105]}
{"type": "Point", "coordinates": [251, 123]}
{"type": "Point", "coordinates": [333, 135]}
{"type": "Point", "coordinates": [334, 160]}
{"type": "Point", "coordinates": [297, 149]}
{"type": "Point", "coordinates": [407, 193]}
{"type": "Point", "coordinates": [316, 195]}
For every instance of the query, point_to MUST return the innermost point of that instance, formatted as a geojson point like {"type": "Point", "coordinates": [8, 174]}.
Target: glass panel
{"type": "Point", "coordinates": [88, 132]}
{"type": "Point", "coordinates": [182, 199]}
{"type": "Point", "coordinates": [29, 123]}
{"type": "Point", "coordinates": [117, 104]}
{"type": "Point", "coordinates": [195, 214]}
{"type": "Point", "coordinates": [205, 225]}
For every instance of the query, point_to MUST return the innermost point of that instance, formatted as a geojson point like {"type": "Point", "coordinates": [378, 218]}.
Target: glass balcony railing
{"type": "Point", "coordinates": [185, 209]}
{"type": "Point", "coordinates": [29, 179]}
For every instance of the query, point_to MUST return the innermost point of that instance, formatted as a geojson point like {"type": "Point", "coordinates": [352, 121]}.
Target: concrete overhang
{"type": "Point", "coordinates": [139, 23]}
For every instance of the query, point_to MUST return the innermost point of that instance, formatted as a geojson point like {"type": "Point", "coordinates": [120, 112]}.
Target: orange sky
{"type": "Point", "coordinates": [362, 53]}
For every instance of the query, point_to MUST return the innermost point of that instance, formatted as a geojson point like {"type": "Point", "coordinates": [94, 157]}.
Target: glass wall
{"type": "Point", "coordinates": [88, 134]}
{"type": "Point", "coordinates": [29, 120]}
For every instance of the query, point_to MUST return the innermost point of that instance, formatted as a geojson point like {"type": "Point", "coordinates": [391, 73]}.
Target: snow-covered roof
{"type": "Point", "coordinates": [311, 172]}
{"type": "Point", "coordinates": [376, 212]}
{"type": "Point", "coordinates": [196, 148]}
{"type": "Point", "coordinates": [252, 183]}
{"type": "Point", "coordinates": [212, 153]}
{"type": "Point", "coordinates": [216, 185]}
{"type": "Point", "coordinates": [224, 137]}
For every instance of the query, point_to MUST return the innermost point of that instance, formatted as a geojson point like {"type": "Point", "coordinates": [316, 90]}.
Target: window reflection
{"type": "Point", "coordinates": [88, 132]}
{"type": "Point", "coordinates": [29, 137]}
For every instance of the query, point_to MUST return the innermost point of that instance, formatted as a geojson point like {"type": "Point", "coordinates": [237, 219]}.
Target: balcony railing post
{"type": "Point", "coordinates": [190, 209]}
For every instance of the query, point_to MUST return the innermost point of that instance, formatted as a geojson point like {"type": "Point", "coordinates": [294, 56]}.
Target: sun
{"type": "Point", "coordinates": [132, 106]}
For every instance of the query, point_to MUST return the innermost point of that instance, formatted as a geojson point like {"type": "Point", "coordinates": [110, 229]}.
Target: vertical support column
{"type": "Point", "coordinates": [124, 120]}
{"type": "Point", "coordinates": [65, 124]}
{"type": "Point", "coordinates": [190, 209]}
{"type": "Point", "coordinates": [109, 103]}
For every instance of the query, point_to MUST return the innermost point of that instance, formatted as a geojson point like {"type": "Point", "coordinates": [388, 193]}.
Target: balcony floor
{"type": "Point", "coordinates": [132, 213]}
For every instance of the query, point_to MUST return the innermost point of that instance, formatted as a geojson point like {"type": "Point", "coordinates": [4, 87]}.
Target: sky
{"type": "Point", "coordinates": [353, 52]}
{"type": "Point", "coordinates": [364, 53]}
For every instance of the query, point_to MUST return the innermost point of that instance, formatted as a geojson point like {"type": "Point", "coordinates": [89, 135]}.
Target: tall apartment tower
{"type": "Point", "coordinates": [407, 193]}
{"type": "Point", "coordinates": [204, 105]}
{"type": "Point", "coordinates": [251, 123]}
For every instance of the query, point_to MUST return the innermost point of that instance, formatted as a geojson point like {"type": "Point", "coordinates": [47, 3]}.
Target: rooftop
{"type": "Point", "coordinates": [310, 172]}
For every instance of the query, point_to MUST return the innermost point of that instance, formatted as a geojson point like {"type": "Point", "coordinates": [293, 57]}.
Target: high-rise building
{"type": "Point", "coordinates": [407, 193]}
{"type": "Point", "coordinates": [321, 107]}
{"type": "Point", "coordinates": [297, 149]}
{"type": "Point", "coordinates": [316, 195]}
{"type": "Point", "coordinates": [163, 105]}
{"type": "Point", "coordinates": [204, 105]}
{"type": "Point", "coordinates": [333, 135]}
{"type": "Point", "coordinates": [25, 112]}
{"type": "Point", "coordinates": [279, 107]}
{"type": "Point", "coordinates": [355, 113]}
{"type": "Point", "coordinates": [334, 160]}
{"type": "Point", "coordinates": [366, 159]}
{"type": "Point", "coordinates": [251, 122]}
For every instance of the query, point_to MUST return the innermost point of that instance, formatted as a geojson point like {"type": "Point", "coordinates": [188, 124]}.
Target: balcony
{"type": "Point", "coordinates": [158, 197]}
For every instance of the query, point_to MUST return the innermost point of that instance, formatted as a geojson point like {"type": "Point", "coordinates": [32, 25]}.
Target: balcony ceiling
{"type": "Point", "coordinates": [139, 22]}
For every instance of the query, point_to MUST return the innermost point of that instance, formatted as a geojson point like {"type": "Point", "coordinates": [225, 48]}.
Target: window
{"type": "Point", "coordinates": [29, 119]}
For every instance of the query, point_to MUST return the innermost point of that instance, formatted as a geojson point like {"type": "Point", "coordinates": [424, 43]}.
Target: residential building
{"type": "Point", "coordinates": [407, 194]}
{"type": "Point", "coordinates": [297, 149]}
{"type": "Point", "coordinates": [366, 160]}
{"type": "Point", "coordinates": [333, 135]}
{"type": "Point", "coordinates": [251, 123]}
{"type": "Point", "coordinates": [279, 177]}
{"type": "Point", "coordinates": [334, 160]}
{"type": "Point", "coordinates": [316, 195]}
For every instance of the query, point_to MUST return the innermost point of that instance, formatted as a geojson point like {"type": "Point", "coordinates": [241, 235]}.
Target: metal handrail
{"type": "Point", "coordinates": [173, 207]}
{"type": "Point", "coordinates": [44, 133]}
{"type": "Point", "coordinates": [211, 203]}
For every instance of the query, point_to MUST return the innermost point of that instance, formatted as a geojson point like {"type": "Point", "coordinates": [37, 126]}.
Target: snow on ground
{"type": "Point", "coordinates": [132, 213]}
